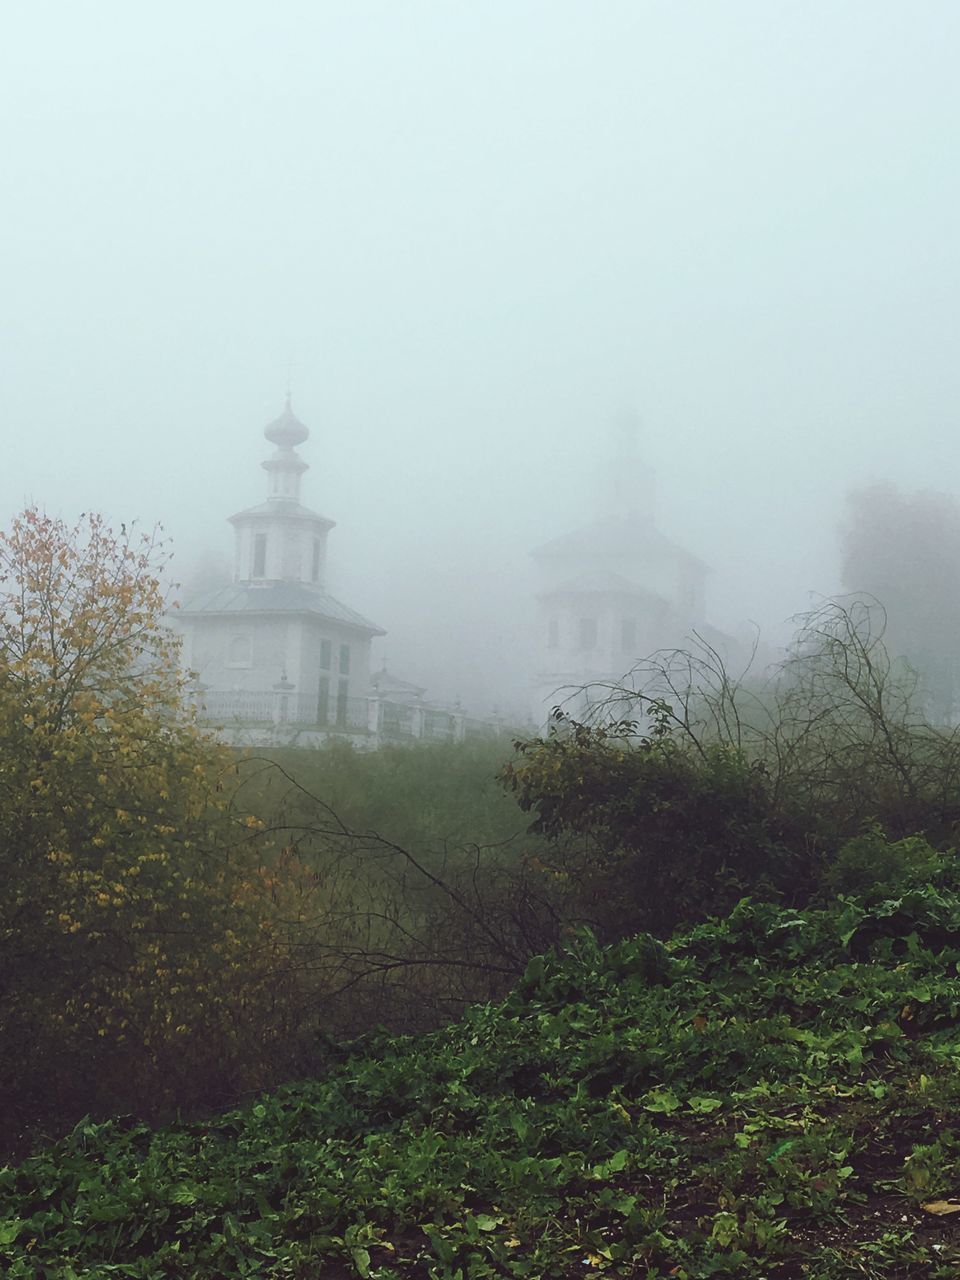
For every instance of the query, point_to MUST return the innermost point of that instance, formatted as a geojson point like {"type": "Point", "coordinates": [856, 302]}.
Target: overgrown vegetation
{"type": "Point", "coordinates": [425, 796]}
{"type": "Point", "coordinates": [137, 964]}
{"type": "Point", "coordinates": [379, 932]}
{"type": "Point", "coordinates": [689, 788]}
{"type": "Point", "coordinates": [771, 1096]}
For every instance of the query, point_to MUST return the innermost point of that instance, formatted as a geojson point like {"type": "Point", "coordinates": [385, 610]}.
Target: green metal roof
{"type": "Point", "coordinates": [284, 508]}
{"type": "Point", "coordinates": [279, 597]}
{"type": "Point", "coordinates": [615, 535]}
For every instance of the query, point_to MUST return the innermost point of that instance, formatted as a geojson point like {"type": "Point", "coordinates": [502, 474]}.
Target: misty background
{"type": "Point", "coordinates": [469, 236]}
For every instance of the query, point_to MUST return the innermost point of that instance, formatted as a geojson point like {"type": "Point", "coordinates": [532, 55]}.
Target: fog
{"type": "Point", "coordinates": [468, 236]}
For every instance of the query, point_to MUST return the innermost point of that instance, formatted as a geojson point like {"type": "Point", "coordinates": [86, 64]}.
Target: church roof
{"type": "Point", "coordinates": [385, 682]}
{"type": "Point", "coordinates": [282, 507]}
{"type": "Point", "coordinates": [604, 581]}
{"type": "Point", "coordinates": [613, 535]}
{"type": "Point", "coordinates": [280, 597]}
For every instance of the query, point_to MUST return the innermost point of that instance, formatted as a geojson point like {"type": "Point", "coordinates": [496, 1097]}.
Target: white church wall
{"type": "Point", "coordinates": [214, 651]}
{"type": "Point", "coordinates": [322, 645]}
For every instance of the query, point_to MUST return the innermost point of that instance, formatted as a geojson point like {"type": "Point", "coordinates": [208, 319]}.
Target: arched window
{"type": "Point", "coordinates": [240, 653]}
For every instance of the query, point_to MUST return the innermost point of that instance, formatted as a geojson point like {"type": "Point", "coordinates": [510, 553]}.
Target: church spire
{"type": "Point", "coordinates": [280, 540]}
{"type": "Point", "coordinates": [285, 467]}
{"type": "Point", "coordinates": [628, 487]}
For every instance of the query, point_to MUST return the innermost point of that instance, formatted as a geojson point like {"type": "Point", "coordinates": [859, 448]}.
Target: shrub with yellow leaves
{"type": "Point", "coordinates": [133, 961]}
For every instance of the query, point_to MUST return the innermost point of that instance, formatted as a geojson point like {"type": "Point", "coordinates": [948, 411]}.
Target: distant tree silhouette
{"type": "Point", "coordinates": [904, 549]}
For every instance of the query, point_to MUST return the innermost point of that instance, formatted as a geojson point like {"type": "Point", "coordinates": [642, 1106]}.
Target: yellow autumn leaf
{"type": "Point", "coordinates": [941, 1207]}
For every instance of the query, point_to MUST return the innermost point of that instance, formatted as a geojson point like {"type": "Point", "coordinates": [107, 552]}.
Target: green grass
{"type": "Point", "coordinates": [773, 1096]}
{"type": "Point", "coordinates": [425, 796]}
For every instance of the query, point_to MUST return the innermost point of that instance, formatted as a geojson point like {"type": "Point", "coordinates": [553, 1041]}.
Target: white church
{"type": "Point", "coordinates": [613, 591]}
{"type": "Point", "coordinates": [274, 646]}
{"type": "Point", "coordinates": [275, 658]}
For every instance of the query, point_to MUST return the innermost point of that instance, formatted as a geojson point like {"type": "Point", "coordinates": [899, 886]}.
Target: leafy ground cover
{"type": "Point", "coordinates": [772, 1096]}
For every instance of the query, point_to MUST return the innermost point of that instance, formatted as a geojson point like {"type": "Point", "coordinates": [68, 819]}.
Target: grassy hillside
{"type": "Point", "coordinates": [772, 1096]}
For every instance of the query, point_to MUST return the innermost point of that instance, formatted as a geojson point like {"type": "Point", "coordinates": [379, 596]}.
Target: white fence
{"type": "Point", "coordinates": [284, 715]}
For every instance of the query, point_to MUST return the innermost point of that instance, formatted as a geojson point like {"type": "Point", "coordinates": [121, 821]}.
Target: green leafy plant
{"type": "Point", "coordinates": [725, 1118]}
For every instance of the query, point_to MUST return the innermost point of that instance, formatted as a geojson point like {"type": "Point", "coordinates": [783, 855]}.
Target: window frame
{"type": "Point", "coordinates": [259, 559]}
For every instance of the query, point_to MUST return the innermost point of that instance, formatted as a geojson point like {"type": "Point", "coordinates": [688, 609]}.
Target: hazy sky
{"type": "Point", "coordinates": [472, 233]}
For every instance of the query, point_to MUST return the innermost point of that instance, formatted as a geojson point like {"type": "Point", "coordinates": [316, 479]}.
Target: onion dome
{"type": "Point", "coordinates": [287, 431]}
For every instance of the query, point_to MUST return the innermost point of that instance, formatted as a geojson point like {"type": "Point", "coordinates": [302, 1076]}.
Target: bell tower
{"type": "Point", "coordinates": [280, 540]}
{"type": "Point", "coordinates": [627, 484]}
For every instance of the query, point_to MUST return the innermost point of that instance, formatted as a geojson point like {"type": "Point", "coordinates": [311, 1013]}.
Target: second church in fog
{"type": "Point", "coordinates": [613, 591]}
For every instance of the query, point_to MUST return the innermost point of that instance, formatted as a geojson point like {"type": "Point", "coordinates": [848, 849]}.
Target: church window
{"type": "Point", "coordinates": [553, 633]}
{"type": "Point", "coordinates": [628, 634]}
{"type": "Point", "coordinates": [588, 633]}
{"type": "Point", "coordinates": [343, 689]}
{"type": "Point", "coordinates": [315, 570]}
{"type": "Point", "coordinates": [260, 555]}
{"type": "Point", "coordinates": [240, 653]}
{"type": "Point", "coordinates": [323, 700]}
{"type": "Point", "coordinates": [344, 658]}
{"type": "Point", "coordinates": [325, 654]}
